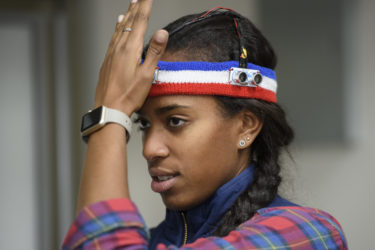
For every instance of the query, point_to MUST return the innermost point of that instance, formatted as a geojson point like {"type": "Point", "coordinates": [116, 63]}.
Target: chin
{"type": "Point", "coordinates": [173, 203]}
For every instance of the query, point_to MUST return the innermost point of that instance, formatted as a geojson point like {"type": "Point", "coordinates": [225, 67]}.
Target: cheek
{"type": "Point", "coordinates": [207, 158]}
{"type": "Point", "coordinates": [209, 151]}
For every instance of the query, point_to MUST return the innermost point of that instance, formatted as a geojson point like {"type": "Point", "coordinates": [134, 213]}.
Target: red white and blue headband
{"type": "Point", "coordinates": [214, 78]}
{"type": "Point", "coordinates": [233, 78]}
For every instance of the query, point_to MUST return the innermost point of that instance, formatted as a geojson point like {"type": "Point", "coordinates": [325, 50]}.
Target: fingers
{"type": "Point", "coordinates": [122, 22]}
{"type": "Point", "coordinates": [155, 51]}
{"type": "Point", "coordinates": [135, 20]}
{"type": "Point", "coordinates": [130, 43]}
{"type": "Point", "coordinates": [140, 21]}
{"type": "Point", "coordinates": [125, 21]}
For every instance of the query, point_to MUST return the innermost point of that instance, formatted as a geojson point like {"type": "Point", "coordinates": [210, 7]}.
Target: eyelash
{"type": "Point", "coordinates": [171, 119]}
{"type": "Point", "coordinates": [143, 124]}
{"type": "Point", "coordinates": [140, 122]}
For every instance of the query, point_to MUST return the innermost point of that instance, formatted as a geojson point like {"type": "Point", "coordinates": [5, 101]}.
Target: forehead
{"type": "Point", "coordinates": [182, 102]}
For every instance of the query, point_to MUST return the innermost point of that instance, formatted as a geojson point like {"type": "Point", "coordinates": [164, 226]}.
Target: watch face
{"type": "Point", "coordinates": [92, 118]}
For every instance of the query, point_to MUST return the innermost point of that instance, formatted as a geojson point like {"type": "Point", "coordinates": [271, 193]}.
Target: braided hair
{"type": "Point", "coordinates": [215, 39]}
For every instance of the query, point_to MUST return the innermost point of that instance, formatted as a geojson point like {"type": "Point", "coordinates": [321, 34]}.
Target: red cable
{"type": "Point", "coordinates": [215, 8]}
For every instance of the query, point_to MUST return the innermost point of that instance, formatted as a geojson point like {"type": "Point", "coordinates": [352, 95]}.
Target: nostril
{"type": "Point", "coordinates": [155, 159]}
{"type": "Point", "coordinates": [155, 152]}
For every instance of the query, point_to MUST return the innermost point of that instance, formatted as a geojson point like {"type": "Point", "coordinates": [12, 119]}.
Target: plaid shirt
{"type": "Point", "coordinates": [117, 224]}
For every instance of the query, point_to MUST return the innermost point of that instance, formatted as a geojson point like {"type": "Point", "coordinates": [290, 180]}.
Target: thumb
{"type": "Point", "coordinates": [155, 51]}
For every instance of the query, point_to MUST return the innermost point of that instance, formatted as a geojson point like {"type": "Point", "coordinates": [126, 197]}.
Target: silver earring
{"type": "Point", "coordinates": [248, 138]}
{"type": "Point", "coordinates": [242, 143]}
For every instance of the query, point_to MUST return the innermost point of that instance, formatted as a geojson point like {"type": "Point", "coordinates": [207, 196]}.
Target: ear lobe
{"type": "Point", "coordinates": [250, 128]}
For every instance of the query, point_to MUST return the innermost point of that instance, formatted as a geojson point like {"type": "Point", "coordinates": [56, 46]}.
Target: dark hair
{"type": "Point", "coordinates": [215, 39]}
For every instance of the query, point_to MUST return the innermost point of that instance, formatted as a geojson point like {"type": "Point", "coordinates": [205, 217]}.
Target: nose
{"type": "Point", "coordinates": [154, 146]}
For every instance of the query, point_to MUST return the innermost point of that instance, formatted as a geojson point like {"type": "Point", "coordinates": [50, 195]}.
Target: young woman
{"type": "Point", "coordinates": [212, 137]}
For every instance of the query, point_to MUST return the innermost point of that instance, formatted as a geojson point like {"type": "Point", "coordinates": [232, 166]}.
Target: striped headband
{"type": "Point", "coordinates": [214, 78]}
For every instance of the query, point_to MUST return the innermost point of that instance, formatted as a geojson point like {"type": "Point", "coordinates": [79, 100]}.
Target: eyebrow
{"type": "Point", "coordinates": [165, 109]}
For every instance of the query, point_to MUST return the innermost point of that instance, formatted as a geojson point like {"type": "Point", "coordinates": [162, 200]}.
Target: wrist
{"type": "Point", "coordinates": [110, 135]}
{"type": "Point", "coordinates": [96, 119]}
{"type": "Point", "coordinates": [124, 105]}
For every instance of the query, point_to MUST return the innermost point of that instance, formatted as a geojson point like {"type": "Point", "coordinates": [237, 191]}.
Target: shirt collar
{"type": "Point", "coordinates": [204, 219]}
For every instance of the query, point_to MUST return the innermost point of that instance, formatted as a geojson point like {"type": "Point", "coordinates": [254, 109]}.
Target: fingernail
{"type": "Point", "coordinates": [161, 36]}
{"type": "Point", "coordinates": [120, 18]}
{"type": "Point", "coordinates": [134, 1]}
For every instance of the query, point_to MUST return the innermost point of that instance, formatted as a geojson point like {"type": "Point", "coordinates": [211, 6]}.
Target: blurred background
{"type": "Point", "coordinates": [50, 55]}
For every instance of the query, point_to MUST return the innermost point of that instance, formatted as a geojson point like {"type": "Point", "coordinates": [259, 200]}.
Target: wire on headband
{"type": "Point", "coordinates": [237, 22]}
{"type": "Point", "coordinates": [243, 50]}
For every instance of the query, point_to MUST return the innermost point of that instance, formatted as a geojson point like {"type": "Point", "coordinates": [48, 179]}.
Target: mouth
{"type": "Point", "coordinates": [163, 178]}
{"type": "Point", "coordinates": [163, 183]}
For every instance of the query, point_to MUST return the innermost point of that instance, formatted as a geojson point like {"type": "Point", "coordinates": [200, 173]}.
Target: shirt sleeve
{"type": "Point", "coordinates": [117, 224]}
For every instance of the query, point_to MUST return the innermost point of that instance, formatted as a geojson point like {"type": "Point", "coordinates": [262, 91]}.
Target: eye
{"type": "Point", "coordinates": [175, 122]}
{"type": "Point", "coordinates": [142, 123]}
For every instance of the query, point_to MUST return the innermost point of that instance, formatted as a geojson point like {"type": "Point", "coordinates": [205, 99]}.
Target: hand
{"type": "Point", "coordinates": [124, 82]}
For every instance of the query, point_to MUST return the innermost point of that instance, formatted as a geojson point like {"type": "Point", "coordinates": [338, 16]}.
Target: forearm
{"type": "Point", "coordinates": [123, 84]}
{"type": "Point", "coordinates": [104, 174]}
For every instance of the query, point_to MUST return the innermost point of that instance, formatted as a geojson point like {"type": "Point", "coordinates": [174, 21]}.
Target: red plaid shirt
{"type": "Point", "coordinates": [117, 224]}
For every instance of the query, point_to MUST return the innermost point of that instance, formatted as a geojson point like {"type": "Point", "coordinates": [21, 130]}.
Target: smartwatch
{"type": "Point", "coordinates": [99, 117]}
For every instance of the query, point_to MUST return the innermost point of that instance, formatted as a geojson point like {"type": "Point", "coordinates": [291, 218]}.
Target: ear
{"type": "Point", "coordinates": [250, 126]}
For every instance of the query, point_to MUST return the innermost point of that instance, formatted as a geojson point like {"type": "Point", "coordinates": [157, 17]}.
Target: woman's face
{"type": "Point", "coordinates": [190, 147]}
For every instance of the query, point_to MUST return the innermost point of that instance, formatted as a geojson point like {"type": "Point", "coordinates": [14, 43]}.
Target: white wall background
{"type": "Point", "coordinates": [340, 178]}
{"type": "Point", "coordinates": [17, 153]}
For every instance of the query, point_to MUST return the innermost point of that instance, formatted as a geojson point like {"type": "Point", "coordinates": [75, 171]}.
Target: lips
{"type": "Point", "coordinates": [162, 180]}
